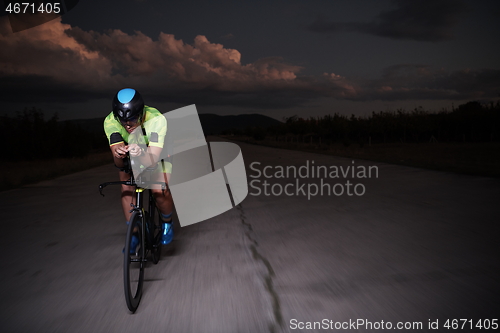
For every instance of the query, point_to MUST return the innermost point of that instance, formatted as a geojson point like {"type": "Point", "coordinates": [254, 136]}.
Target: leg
{"type": "Point", "coordinates": [163, 197]}
{"type": "Point", "coordinates": [165, 204]}
{"type": "Point", "coordinates": [128, 196]}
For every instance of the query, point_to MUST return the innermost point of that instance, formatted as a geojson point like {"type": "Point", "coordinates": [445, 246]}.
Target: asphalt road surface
{"type": "Point", "coordinates": [409, 247]}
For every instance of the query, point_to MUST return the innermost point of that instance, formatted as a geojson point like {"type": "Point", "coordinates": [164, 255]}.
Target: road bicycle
{"type": "Point", "coordinates": [147, 226]}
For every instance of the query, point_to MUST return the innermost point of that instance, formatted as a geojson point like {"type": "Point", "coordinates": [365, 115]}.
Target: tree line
{"type": "Point", "coordinates": [470, 122]}
{"type": "Point", "coordinates": [29, 136]}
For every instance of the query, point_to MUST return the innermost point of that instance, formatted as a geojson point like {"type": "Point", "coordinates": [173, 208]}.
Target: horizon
{"type": "Point", "coordinates": [366, 116]}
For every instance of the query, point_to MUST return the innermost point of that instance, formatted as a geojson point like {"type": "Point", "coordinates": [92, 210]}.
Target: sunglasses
{"type": "Point", "coordinates": [130, 121]}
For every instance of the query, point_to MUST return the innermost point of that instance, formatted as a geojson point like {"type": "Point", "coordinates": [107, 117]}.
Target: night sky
{"type": "Point", "coordinates": [277, 58]}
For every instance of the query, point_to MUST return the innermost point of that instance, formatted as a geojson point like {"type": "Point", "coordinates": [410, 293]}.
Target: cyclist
{"type": "Point", "coordinates": [130, 113]}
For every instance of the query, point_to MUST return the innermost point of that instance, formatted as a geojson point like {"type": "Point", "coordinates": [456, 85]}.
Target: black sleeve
{"type": "Point", "coordinates": [115, 138]}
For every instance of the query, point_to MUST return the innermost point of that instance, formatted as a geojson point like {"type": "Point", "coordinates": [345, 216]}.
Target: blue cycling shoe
{"type": "Point", "coordinates": [168, 233]}
{"type": "Point", "coordinates": [134, 243]}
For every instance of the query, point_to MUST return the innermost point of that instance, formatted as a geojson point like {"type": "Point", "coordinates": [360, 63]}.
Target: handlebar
{"type": "Point", "coordinates": [131, 182]}
{"type": "Point", "coordinates": [128, 165]}
{"type": "Point", "coordinates": [126, 182]}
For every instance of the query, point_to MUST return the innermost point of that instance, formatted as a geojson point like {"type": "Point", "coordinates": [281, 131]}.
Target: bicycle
{"type": "Point", "coordinates": [146, 224]}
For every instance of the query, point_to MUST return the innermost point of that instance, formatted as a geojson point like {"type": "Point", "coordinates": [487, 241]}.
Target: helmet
{"type": "Point", "coordinates": [128, 105]}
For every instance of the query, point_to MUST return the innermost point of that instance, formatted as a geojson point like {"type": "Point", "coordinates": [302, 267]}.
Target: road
{"type": "Point", "coordinates": [416, 246]}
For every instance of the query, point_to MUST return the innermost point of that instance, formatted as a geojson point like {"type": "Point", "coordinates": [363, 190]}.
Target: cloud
{"type": "Point", "coordinates": [56, 59]}
{"type": "Point", "coordinates": [202, 64]}
{"type": "Point", "coordinates": [426, 20]}
{"type": "Point", "coordinates": [43, 60]}
{"type": "Point", "coordinates": [55, 62]}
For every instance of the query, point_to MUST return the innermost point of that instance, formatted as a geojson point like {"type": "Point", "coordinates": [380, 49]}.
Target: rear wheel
{"type": "Point", "coordinates": [133, 264]}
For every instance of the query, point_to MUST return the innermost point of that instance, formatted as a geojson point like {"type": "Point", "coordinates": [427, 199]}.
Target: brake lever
{"type": "Point", "coordinates": [101, 187]}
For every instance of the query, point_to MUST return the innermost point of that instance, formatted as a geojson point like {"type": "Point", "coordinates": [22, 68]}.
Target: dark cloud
{"type": "Point", "coordinates": [425, 20]}
{"type": "Point", "coordinates": [262, 99]}
{"type": "Point", "coordinates": [40, 88]}
{"type": "Point", "coordinates": [410, 81]}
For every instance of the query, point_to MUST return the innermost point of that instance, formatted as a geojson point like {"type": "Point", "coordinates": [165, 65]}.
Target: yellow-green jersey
{"type": "Point", "coordinates": [154, 130]}
{"type": "Point", "coordinates": [155, 126]}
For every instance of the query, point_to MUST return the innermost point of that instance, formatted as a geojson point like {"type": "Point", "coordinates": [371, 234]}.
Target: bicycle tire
{"type": "Point", "coordinates": [133, 265]}
{"type": "Point", "coordinates": [155, 228]}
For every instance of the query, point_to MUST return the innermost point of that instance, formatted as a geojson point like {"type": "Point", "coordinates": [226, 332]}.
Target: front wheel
{"type": "Point", "coordinates": [133, 263]}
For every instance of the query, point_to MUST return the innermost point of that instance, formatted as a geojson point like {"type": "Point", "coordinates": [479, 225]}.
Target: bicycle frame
{"type": "Point", "coordinates": [141, 185]}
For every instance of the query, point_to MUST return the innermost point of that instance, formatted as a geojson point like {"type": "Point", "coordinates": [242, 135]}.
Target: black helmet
{"type": "Point", "coordinates": [128, 105]}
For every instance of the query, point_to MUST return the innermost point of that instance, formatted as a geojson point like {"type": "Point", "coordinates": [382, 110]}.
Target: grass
{"type": "Point", "coordinates": [18, 173]}
{"type": "Point", "coordinates": [481, 159]}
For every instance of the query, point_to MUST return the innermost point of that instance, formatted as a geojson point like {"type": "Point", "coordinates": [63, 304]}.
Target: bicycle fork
{"type": "Point", "coordinates": [143, 224]}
